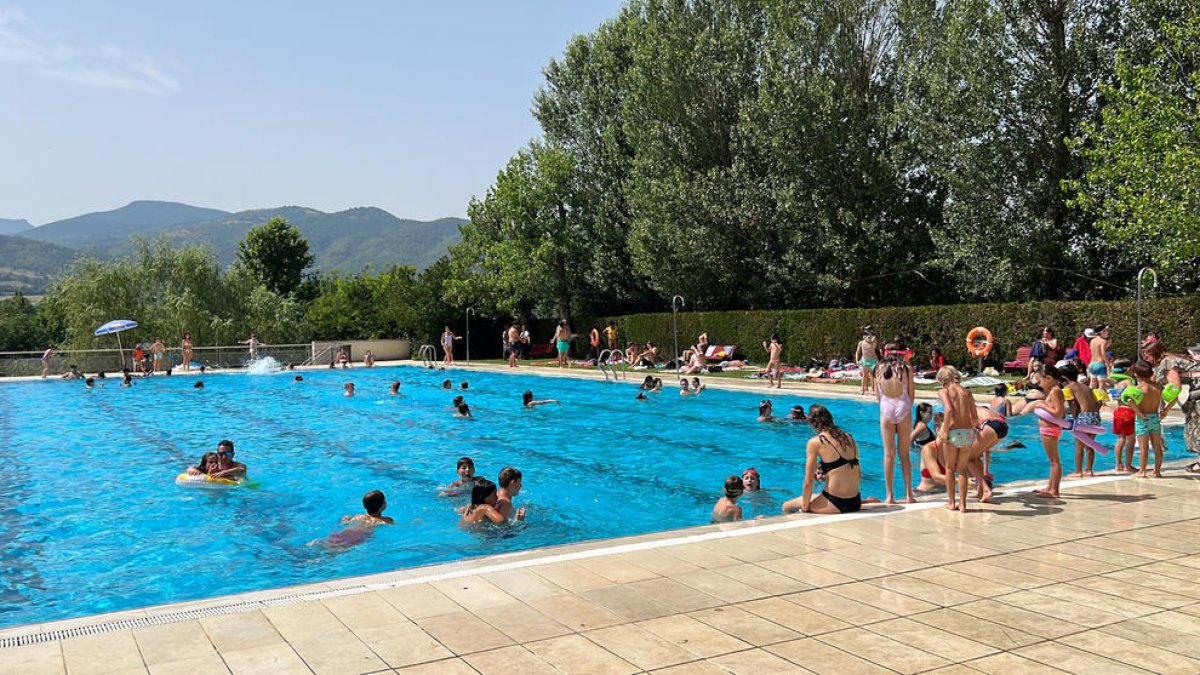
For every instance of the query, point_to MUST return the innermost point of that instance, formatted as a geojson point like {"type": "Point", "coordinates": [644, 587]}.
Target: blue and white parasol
{"type": "Point", "coordinates": [116, 326]}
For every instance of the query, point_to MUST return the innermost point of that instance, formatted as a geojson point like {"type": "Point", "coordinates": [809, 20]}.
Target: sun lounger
{"type": "Point", "coordinates": [1020, 363]}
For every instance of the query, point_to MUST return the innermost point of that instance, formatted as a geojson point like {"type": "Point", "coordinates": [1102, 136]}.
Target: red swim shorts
{"type": "Point", "coordinates": [1123, 421]}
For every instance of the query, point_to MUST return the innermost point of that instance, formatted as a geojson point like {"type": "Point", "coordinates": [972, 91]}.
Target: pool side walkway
{"type": "Point", "coordinates": [1101, 581]}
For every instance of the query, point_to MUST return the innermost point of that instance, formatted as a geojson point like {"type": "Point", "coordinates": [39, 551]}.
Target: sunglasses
{"type": "Point", "coordinates": [225, 453]}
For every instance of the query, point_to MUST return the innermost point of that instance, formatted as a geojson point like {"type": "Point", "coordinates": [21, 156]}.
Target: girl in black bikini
{"type": "Point", "coordinates": [835, 453]}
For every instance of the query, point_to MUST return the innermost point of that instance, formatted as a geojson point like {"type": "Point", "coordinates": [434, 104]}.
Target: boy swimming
{"type": "Point", "coordinates": [527, 400]}
{"type": "Point", "coordinates": [511, 482]}
{"type": "Point", "coordinates": [373, 503]}
{"type": "Point", "coordinates": [483, 505]}
{"type": "Point", "coordinates": [726, 509]}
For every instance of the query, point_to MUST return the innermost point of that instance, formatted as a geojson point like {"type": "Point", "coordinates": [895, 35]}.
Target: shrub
{"type": "Point", "coordinates": [833, 333]}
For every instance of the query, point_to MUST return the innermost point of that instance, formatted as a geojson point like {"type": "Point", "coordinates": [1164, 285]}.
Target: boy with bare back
{"type": "Point", "coordinates": [774, 362]}
{"type": "Point", "coordinates": [1148, 423]}
{"type": "Point", "coordinates": [867, 358]}
{"type": "Point", "coordinates": [1086, 410]}
{"type": "Point", "coordinates": [956, 434]}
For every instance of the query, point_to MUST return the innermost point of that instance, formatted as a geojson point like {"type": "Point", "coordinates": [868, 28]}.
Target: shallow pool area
{"type": "Point", "coordinates": [93, 521]}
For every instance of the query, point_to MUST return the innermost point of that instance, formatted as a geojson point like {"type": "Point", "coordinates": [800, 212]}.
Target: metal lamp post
{"type": "Point", "coordinates": [470, 311]}
{"type": "Point", "coordinates": [675, 327]}
{"type": "Point", "coordinates": [1142, 272]}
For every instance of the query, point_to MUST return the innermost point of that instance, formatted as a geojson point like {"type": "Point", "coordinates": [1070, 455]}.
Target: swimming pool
{"type": "Point", "coordinates": [92, 521]}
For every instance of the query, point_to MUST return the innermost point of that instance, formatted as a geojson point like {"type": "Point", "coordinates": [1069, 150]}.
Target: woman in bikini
{"type": "Point", "coordinates": [186, 348]}
{"type": "Point", "coordinates": [835, 454]}
{"type": "Point", "coordinates": [894, 389]}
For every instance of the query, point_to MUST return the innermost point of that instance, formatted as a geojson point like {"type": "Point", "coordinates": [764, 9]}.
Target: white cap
{"type": "Point", "coordinates": [1088, 332]}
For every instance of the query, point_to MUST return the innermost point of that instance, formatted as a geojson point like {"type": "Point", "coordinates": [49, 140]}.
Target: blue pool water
{"type": "Point", "coordinates": [92, 521]}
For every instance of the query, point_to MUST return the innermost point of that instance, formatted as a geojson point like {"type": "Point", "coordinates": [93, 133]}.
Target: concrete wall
{"type": "Point", "coordinates": [384, 350]}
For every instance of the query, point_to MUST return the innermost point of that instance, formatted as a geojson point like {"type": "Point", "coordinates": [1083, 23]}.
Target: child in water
{"type": "Point", "coordinates": [685, 388]}
{"type": "Point", "coordinates": [765, 414]}
{"type": "Point", "coordinates": [349, 387]}
{"type": "Point", "coordinates": [726, 509]}
{"type": "Point", "coordinates": [527, 400]}
{"type": "Point", "coordinates": [463, 411]}
{"type": "Point", "coordinates": [373, 503]}
{"type": "Point", "coordinates": [483, 505]}
{"type": "Point", "coordinates": [466, 476]}
{"type": "Point", "coordinates": [697, 386]}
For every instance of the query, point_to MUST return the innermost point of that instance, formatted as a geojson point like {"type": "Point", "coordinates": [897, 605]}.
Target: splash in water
{"type": "Point", "coordinates": [263, 365]}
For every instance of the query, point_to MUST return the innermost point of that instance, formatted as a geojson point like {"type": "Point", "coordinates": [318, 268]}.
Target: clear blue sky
{"type": "Point", "coordinates": [406, 105]}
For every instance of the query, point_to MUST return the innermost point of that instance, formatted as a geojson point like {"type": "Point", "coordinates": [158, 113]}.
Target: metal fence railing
{"type": "Point", "coordinates": [16, 364]}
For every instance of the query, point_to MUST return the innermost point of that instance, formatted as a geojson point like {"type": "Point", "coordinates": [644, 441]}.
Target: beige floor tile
{"type": "Point", "coordinates": [1157, 582]}
{"type": "Point", "coordinates": [419, 601]}
{"type": "Point", "coordinates": [571, 576]}
{"type": "Point", "coordinates": [974, 585]}
{"type": "Point", "coordinates": [524, 585]}
{"type": "Point", "coordinates": [577, 654]}
{"type": "Point", "coordinates": [924, 590]}
{"type": "Point", "coordinates": [1007, 664]}
{"type": "Point", "coordinates": [881, 598]}
{"type": "Point", "coordinates": [447, 667]}
{"type": "Point", "coordinates": [575, 612]}
{"type": "Point", "coordinates": [1003, 575]}
{"type": "Point", "coordinates": [509, 660]}
{"type": "Point", "coordinates": [924, 637]}
{"type": "Point", "coordinates": [617, 569]}
{"type": "Point", "coordinates": [364, 610]}
{"type": "Point", "coordinates": [1125, 589]}
{"type": "Point", "coordinates": [1094, 550]}
{"type": "Point", "coordinates": [270, 659]}
{"type": "Point", "coordinates": [804, 620]}
{"type": "Point", "coordinates": [1184, 622]}
{"type": "Point", "coordinates": [763, 579]}
{"type": "Point", "coordinates": [843, 564]}
{"type": "Point", "coordinates": [1125, 608]}
{"type": "Point", "coordinates": [1137, 653]}
{"type": "Point", "coordinates": [173, 642]}
{"type": "Point", "coordinates": [337, 653]}
{"type": "Point", "coordinates": [660, 563]}
{"type": "Point", "coordinates": [976, 629]}
{"type": "Point", "coordinates": [819, 657]}
{"type": "Point", "coordinates": [640, 647]}
{"type": "Point", "coordinates": [883, 651]}
{"type": "Point", "coordinates": [1078, 566]}
{"type": "Point", "coordinates": [303, 620]}
{"type": "Point", "coordinates": [463, 633]}
{"type": "Point", "coordinates": [522, 622]}
{"type": "Point", "coordinates": [401, 645]}
{"type": "Point", "coordinates": [1161, 539]}
{"type": "Point", "coordinates": [1058, 608]}
{"type": "Point", "coordinates": [1074, 660]}
{"type": "Point", "coordinates": [1172, 569]}
{"type": "Point", "coordinates": [756, 661]}
{"type": "Point", "coordinates": [746, 626]}
{"type": "Point", "coordinates": [718, 585]}
{"type": "Point", "coordinates": [244, 630]}
{"type": "Point", "coordinates": [1162, 632]}
{"type": "Point", "coordinates": [809, 574]}
{"type": "Point", "coordinates": [843, 608]}
{"type": "Point", "coordinates": [783, 546]}
{"type": "Point", "coordinates": [210, 664]}
{"type": "Point", "coordinates": [1020, 618]}
{"type": "Point", "coordinates": [37, 659]}
{"type": "Point", "coordinates": [701, 556]}
{"type": "Point", "coordinates": [745, 549]}
{"type": "Point", "coordinates": [473, 593]}
{"type": "Point", "coordinates": [102, 653]}
{"type": "Point", "coordinates": [675, 596]}
{"type": "Point", "coordinates": [693, 668]}
{"type": "Point", "coordinates": [878, 557]}
{"type": "Point", "coordinates": [694, 636]}
{"type": "Point", "coordinates": [1140, 549]}
{"type": "Point", "coordinates": [956, 669]}
{"type": "Point", "coordinates": [626, 602]}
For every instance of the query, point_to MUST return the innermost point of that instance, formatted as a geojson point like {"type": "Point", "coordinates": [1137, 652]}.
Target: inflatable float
{"type": "Point", "coordinates": [1084, 433]}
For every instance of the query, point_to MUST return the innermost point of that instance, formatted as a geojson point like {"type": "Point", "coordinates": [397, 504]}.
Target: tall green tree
{"type": "Point", "coordinates": [276, 254]}
{"type": "Point", "coordinates": [20, 327]}
{"type": "Point", "coordinates": [1143, 180]}
{"type": "Point", "coordinates": [523, 247]}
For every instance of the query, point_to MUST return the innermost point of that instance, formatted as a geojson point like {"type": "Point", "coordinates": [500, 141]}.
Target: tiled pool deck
{"type": "Point", "coordinates": [1102, 581]}
{"type": "Point", "coordinates": [1098, 582]}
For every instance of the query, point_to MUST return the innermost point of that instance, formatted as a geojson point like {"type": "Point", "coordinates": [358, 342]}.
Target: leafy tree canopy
{"type": "Point", "coordinates": [276, 255]}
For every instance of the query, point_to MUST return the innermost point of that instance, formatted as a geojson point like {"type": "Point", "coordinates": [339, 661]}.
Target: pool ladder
{"type": "Point", "coordinates": [428, 355]}
{"type": "Point", "coordinates": [607, 364]}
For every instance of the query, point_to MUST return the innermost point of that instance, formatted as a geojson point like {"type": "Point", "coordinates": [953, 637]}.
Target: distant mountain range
{"type": "Point", "coordinates": [348, 241]}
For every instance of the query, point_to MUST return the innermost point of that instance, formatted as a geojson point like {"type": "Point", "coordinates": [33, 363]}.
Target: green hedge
{"type": "Point", "coordinates": [833, 333]}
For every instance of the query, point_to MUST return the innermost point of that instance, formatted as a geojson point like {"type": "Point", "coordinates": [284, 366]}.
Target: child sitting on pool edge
{"type": "Point", "coordinates": [726, 509]}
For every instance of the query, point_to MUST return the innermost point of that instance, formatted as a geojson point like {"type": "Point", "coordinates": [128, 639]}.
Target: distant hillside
{"type": "Point", "coordinates": [142, 218]}
{"type": "Point", "coordinates": [348, 241]}
{"type": "Point", "coordinates": [8, 226]}
{"type": "Point", "coordinates": [30, 265]}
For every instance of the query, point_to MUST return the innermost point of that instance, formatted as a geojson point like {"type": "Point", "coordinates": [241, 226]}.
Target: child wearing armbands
{"type": "Point", "coordinates": [1147, 423]}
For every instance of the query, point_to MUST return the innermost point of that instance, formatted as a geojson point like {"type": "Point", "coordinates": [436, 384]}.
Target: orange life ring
{"type": "Point", "coordinates": [979, 341]}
